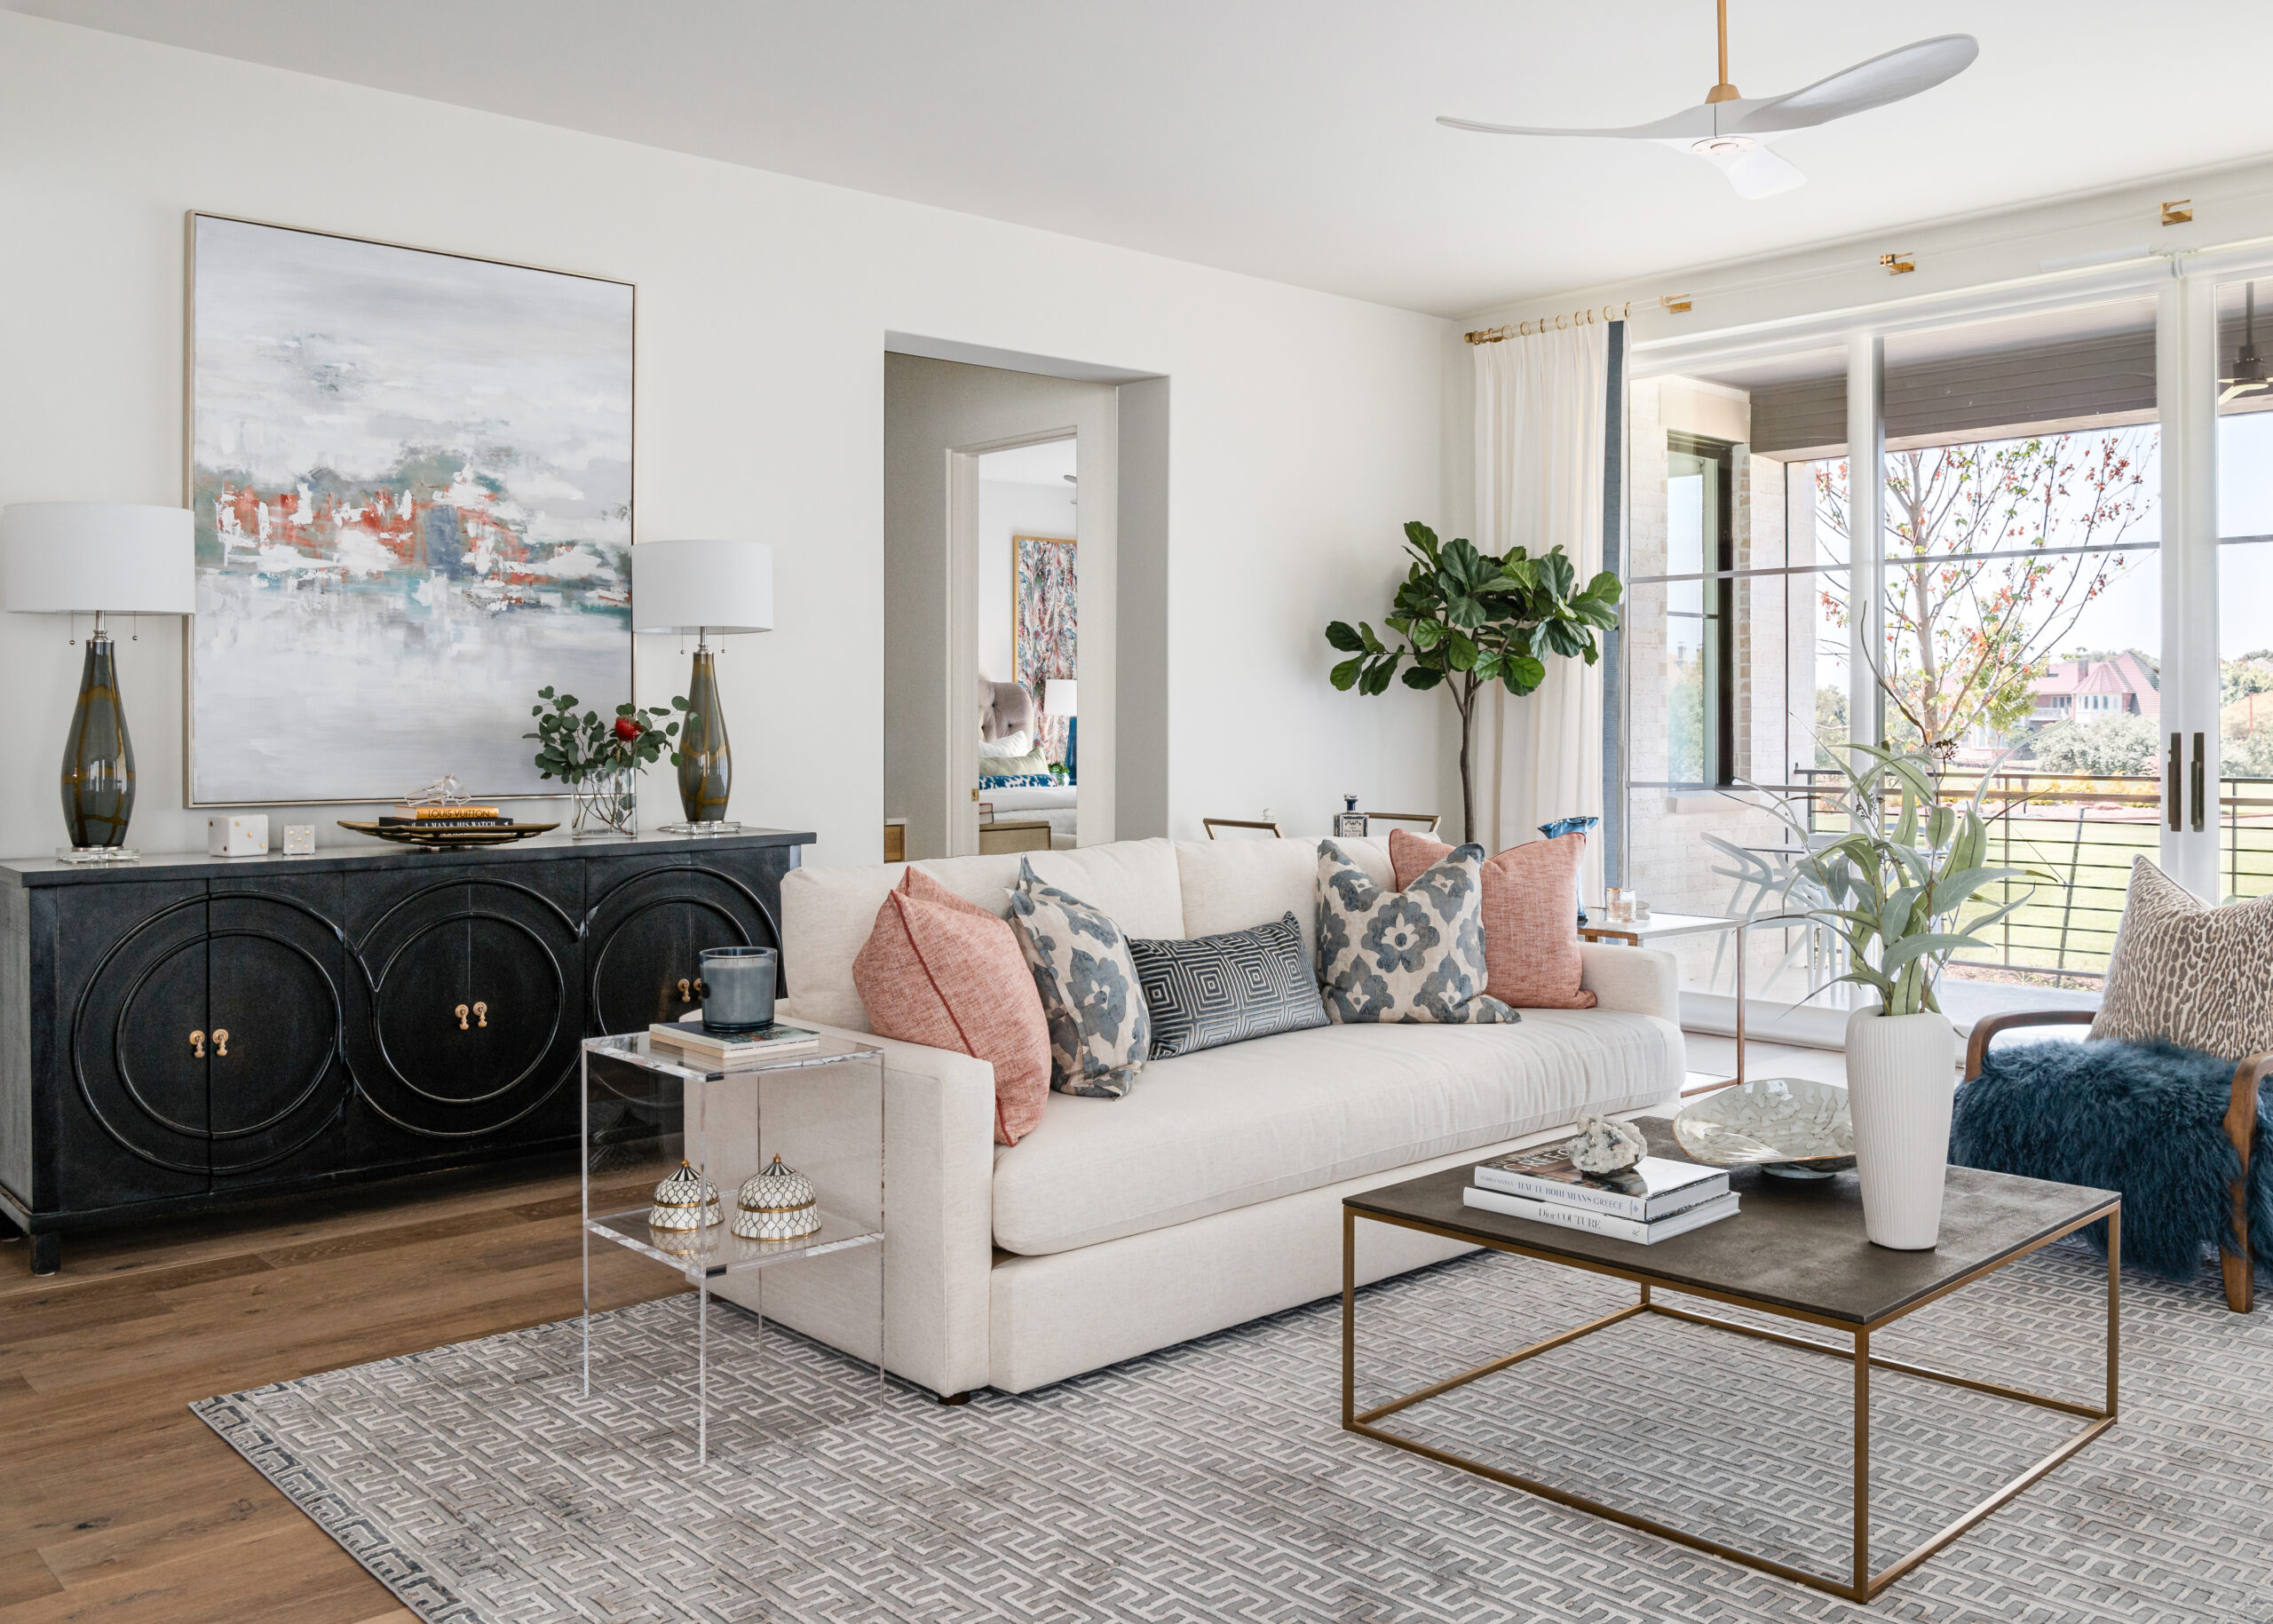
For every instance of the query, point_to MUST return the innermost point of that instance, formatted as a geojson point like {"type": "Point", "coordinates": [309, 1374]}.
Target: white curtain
{"type": "Point", "coordinates": [1540, 403]}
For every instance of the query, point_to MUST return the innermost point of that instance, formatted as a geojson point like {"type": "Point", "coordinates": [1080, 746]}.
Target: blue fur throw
{"type": "Point", "coordinates": [2144, 1118]}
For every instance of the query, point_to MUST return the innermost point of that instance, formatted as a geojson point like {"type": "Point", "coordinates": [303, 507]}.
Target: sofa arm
{"type": "Point", "coordinates": [938, 1216]}
{"type": "Point", "coordinates": [1637, 980]}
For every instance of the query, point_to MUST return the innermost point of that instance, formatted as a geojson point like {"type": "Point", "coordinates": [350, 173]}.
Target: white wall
{"type": "Point", "coordinates": [1005, 511]}
{"type": "Point", "coordinates": [1303, 430]}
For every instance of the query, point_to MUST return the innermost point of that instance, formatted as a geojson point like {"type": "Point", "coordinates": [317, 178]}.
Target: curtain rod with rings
{"type": "Point", "coordinates": [1562, 322]}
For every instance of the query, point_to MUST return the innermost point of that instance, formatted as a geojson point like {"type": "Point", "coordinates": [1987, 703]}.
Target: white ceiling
{"type": "Point", "coordinates": [1047, 463]}
{"type": "Point", "coordinates": [1294, 138]}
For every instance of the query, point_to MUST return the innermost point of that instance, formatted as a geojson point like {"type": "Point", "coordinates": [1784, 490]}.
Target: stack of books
{"type": "Point", "coordinates": [727, 1050]}
{"type": "Point", "coordinates": [1652, 1200]}
{"type": "Point", "coordinates": [443, 817]}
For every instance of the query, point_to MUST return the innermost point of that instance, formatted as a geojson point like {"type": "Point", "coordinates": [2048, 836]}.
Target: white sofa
{"type": "Point", "coordinates": [1209, 1195]}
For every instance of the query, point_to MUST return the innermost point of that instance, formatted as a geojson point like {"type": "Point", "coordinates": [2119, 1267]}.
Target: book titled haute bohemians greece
{"type": "Point", "coordinates": [1652, 1189]}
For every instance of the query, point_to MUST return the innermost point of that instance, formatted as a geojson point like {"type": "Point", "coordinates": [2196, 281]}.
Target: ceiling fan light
{"type": "Point", "coordinates": [1723, 146]}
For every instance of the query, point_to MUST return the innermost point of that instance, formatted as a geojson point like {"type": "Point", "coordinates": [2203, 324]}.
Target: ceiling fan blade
{"type": "Point", "coordinates": [1691, 122]}
{"type": "Point", "coordinates": [1900, 73]}
{"type": "Point", "coordinates": [1758, 172]}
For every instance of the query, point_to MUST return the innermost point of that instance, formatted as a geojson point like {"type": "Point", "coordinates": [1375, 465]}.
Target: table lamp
{"type": "Point", "coordinates": [711, 589]}
{"type": "Point", "coordinates": [94, 557]}
{"type": "Point", "coordinates": [1061, 697]}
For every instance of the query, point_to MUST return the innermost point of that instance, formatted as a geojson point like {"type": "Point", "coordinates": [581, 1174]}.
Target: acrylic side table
{"type": "Point", "coordinates": [646, 1108]}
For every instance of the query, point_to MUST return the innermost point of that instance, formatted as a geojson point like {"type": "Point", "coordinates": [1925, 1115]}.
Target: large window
{"type": "Point", "coordinates": [2244, 589]}
{"type": "Point", "coordinates": [2007, 594]}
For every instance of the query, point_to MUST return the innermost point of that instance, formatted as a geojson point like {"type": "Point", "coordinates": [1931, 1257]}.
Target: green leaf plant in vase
{"type": "Point", "coordinates": [1470, 619]}
{"type": "Point", "coordinates": [1903, 888]}
{"type": "Point", "coordinates": [599, 757]}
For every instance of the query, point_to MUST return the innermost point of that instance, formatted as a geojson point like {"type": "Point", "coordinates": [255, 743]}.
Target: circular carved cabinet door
{"type": "Point", "coordinates": [470, 987]}
{"type": "Point", "coordinates": [207, 1040]}
{"type": "Point", "coordinates": [646, 929]}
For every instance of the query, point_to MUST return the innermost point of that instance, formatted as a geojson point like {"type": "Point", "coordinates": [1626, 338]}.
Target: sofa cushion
{"type": "Point", "coordinates": [945, 973]}
{"type": "Point", "coordinates": [827, 913]}
{"type": "Point", "coordinates": [1410, 955]}
{"type": "Point", "coordinates": [1531, 920]}
{"type": "Point", "coordinates": [1229, 988]}
{"type": "Point", "coordinates": [1100, 1029]}
{"type": "Point", "coordinates": [1236, 884]}
{"type": "Point", "coordinates": [1227, 1126]}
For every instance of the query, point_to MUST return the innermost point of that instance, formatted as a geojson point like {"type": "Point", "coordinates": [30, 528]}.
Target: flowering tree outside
{"type": "Point", "coordinates": [1968, 635]}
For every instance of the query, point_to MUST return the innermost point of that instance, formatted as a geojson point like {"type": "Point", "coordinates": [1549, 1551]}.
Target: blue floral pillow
{"type": "Point", "coordinates": [1017, 780]}
{"type": "Point", "coordinates": [1415, 954]}
{"type": "Point", "coordinates": [1099, 1031]}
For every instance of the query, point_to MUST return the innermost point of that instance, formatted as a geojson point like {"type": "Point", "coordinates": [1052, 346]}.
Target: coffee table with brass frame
{"type": "Point", "coordinates": [1796, 1252]}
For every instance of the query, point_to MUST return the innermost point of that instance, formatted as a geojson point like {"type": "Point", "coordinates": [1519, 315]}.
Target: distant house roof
{"type": "Point", "coordinates": [2124, 675]}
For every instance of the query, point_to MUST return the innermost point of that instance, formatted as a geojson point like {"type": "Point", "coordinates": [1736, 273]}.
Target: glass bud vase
{"type": "Point", "coordinates": [606, 803]}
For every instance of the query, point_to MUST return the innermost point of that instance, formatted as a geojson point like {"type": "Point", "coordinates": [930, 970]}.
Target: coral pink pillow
{"type": "Point", "coordinates": [1530, 915]}
{"type": "Point", "coordinates": [943, 972]}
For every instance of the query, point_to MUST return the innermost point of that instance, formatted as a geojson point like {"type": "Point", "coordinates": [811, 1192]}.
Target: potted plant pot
{"type": "Point", "coordinates": [1901, 1081]}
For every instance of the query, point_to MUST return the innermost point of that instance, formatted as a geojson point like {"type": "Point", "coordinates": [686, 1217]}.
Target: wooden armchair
{"type": "Point", "coordinates": [2240, 1121]}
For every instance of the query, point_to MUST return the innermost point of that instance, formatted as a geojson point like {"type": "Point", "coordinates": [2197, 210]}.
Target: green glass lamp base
{"type": "Point", "coordinates": [706, 762]}
{"type": "Point", "coordinates": [97, 779]}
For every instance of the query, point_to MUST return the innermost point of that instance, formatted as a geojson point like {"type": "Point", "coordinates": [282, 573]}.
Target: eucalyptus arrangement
{"type": "Point", "coordinates": [598, 757]}
{"type": "Point", "coordinates": [573, 748]}
{"type": "Point", "coordinates": [1468, 619]}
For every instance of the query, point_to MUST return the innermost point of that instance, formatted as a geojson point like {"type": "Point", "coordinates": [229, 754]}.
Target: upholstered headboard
{"type": "Point", "coordinates": [1004, 708]}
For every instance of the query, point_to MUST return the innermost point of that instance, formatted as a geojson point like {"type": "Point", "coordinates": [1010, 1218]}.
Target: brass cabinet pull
{"type": "Point", "coordinates": [221, 1042]}
{"type": "Point", "coordinates": [481, 1013]}
{"type": "Point", "coordinates": [197, 1044]}
{"type": "Point", "coordinates": [700, 991]}
{"type": "Point", "coordinates": [462, 1017]}
{"type": "Point", "coordinates": [686, 994]}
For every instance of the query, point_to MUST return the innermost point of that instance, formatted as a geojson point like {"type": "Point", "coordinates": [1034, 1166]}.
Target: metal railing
{"type": "Point", "coordinates": [2085, 831]}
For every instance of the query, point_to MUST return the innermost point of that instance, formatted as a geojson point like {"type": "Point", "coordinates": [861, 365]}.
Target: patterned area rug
{"type": "Point", "coordinates": [1211, 1481]}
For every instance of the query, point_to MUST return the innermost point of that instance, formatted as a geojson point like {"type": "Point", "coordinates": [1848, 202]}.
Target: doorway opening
{"type": "Point", "coordinates": [1026, 643]}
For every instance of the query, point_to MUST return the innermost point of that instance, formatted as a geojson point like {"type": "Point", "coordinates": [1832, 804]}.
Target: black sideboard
{"type": "Point", "coordinates": [187, 1030]}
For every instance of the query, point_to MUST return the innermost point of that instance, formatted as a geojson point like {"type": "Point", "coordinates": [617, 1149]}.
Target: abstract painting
{"type": "Point", "coordinates": [1043, 621]}
{"type": "Point", "coordinates": [412, 478]}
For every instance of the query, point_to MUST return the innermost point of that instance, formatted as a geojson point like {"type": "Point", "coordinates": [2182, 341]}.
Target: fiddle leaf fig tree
{"type": "Point", "coordinates": [1465, 619]}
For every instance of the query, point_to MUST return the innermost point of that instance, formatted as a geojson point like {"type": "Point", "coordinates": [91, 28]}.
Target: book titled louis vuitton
{"type": "Point", "coordinates": [1653, 1188]}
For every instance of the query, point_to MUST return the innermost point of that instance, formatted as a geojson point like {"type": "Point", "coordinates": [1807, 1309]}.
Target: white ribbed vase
{"type": "Point", "coordinates": [1901, 1080]}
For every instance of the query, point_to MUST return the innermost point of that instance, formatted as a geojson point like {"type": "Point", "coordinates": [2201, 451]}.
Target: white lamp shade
{"type": "Point", "coordinates": [1061, 696]}
{"type": "Point", "coordinates": [78, 558]}
{"type": "Point", "coordinates": [718, 587]}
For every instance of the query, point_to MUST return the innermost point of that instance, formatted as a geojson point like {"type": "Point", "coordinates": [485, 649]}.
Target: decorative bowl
{"type": "Point", "coordinates": [450, 839]}
{"type": "Point", "coordinates": [1793, 1127]}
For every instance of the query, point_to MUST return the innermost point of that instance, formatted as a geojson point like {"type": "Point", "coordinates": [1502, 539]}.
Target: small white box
{"type": "Point", "coordinates": [299, 840]}
{"type": "Point", "coordinates": [238, 836]}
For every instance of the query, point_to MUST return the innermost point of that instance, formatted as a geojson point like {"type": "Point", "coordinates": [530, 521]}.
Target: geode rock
{"type": "Point", "coordinates": [1604, 1145]}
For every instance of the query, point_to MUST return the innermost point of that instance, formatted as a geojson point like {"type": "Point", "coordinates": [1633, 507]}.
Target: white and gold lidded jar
{"type": "Point", "coordinates": [777, 1204]}
{"type": "Point", "coordinates": [686, 1201]}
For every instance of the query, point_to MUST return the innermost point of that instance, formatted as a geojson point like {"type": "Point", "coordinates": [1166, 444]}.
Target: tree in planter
{"type": "Point", "coordinates": [1468, 619]}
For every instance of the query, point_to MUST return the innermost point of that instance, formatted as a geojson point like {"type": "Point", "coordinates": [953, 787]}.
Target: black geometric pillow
{"type": "Point", "coordinates": [1213, 990]}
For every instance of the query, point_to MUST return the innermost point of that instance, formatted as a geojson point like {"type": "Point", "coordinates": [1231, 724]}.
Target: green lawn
{"type": "Point", "coordinates": [2068, 921]}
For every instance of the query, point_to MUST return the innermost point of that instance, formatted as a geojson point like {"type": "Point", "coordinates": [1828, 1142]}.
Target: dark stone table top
{"type": "Point", "coordinates": [1795, 1245]}
{"type": "Point", "coordinates": [368, 853]}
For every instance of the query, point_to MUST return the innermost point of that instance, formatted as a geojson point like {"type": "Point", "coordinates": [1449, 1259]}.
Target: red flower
{"type": "Point", "coordinates": [627, 729]}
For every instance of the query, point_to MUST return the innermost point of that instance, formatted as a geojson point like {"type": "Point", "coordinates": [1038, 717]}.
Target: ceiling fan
{"type": "Point", "coordinates": [1732, 130]}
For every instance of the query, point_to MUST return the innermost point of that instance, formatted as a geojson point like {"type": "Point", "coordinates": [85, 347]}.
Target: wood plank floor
{"type": "Point", "coordinates": [117, 1503]}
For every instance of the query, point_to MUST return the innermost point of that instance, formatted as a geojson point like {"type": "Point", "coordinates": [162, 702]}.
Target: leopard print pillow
{"type": "Point", "coordinates": [2188, 973]}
